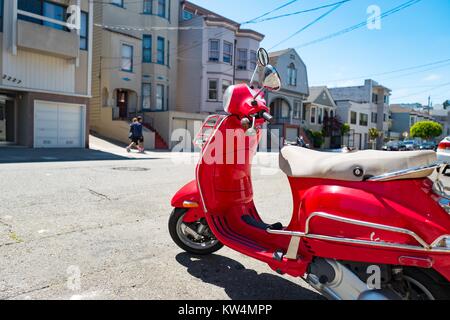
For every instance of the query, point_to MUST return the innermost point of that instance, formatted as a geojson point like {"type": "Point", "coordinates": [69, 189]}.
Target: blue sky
{"type": "Point", "coordinates": [415, 36]}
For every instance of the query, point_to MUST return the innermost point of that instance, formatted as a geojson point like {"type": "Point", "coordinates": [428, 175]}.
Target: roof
{"type": "Point", "coordinates": [279, 52]}
{"type": "Point", "coordinates": [314, 93]}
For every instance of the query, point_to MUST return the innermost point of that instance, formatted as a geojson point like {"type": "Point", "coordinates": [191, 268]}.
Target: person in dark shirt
{"type": "Point", "coordinates": [136, 135]}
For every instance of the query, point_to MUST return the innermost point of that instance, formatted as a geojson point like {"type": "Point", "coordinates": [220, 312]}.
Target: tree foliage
{"type": "Point", "coordinates": [345, 129]}
{"type": "Point", "coordinates": [373, 133]}
{"type": "Point", "coordinates": [426, 130]}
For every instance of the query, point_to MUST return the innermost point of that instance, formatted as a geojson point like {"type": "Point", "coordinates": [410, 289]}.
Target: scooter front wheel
{"type": "Point", "coordinates": [195, 237]}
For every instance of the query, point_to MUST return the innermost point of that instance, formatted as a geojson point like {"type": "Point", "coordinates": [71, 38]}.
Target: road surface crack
{"type": "Point", "coordinates": [100, 195]}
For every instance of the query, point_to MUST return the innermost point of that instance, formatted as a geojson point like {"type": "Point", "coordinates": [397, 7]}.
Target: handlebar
{"type": "Point", "coordinates": [266, 116]}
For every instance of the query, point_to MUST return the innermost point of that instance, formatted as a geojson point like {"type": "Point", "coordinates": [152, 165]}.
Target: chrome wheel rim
{"type": "Point", "coordinates": [204, 244]}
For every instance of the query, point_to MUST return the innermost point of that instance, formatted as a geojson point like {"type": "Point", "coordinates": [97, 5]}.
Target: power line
{"type": "Point", "coordinates": [393, 71]}
{"type": "Point", "coordinates": [270, 12]}
{"type": "Point", "coordinates": [361, 24]}
{"type": "Point", "coordinates": [299, 12]}
{"type": "Point", "coordinates": [310, 24]}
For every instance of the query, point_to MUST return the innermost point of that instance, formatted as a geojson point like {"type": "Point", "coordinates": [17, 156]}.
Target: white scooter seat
{"type": "Point", "coordinates": [352, 166]}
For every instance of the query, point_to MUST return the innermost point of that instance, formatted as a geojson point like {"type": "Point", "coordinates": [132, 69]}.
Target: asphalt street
{"type": "Point", "coordinates": [98, 230]}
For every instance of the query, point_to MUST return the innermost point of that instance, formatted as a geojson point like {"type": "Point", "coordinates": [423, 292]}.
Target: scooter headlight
{"type": "Point", "coordinates": [444, 242]}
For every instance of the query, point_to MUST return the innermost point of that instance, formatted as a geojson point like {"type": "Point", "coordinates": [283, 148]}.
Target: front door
{"type": "Point", "coordinates": [122, 103]}
{"type": "Point", "coordinates": [6, 121]}
{"type": "Point", "coordinates": [2, 121]}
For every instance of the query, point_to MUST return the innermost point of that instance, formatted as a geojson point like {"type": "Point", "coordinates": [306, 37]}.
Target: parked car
{"type": "Point", "coordinates": [394, 146]}
{"type": "Point", "coordinates": [430, 145]}
{"type": "Point", "coordinates": [411, 145]}
{"type": "Point", "coordinates": [443, 150]}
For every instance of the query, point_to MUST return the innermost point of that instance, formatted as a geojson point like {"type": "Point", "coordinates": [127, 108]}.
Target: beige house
{"type": "Point", "coordinates": [214, 53]}
{"type": "Point", "coordinates": [134, 67]}
{"type": "Point", "coordinates": [45, 73]}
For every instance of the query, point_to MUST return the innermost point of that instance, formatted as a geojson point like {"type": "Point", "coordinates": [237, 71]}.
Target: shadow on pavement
{"type": "Point", "coordinates": [240, 283]}
{"type": "Point", "coordinates": [26, 155]}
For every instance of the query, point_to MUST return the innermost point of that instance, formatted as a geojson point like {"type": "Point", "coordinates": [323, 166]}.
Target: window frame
{"type": "Point", "coordinates": [356, 117]}
{"type": "Point", "coordinates": [2, 6]}
{"type": "Point", "coordinates": [163, 87]}
{"type": "Point", "coordinates": [85, 38]}
{"type": "Point", "coordinates": [313, 115]}
{"type": "Point", "coordinates": [242, 62]}
{"type": "Point", "coordinates": [131, 58]}
{"type": "Point", "coordinates": [296, 114]}
{"type": "Point", "coordinates": [253, 60]}
{"type": "Point", "coordinates": [145, 49]}
{"type": "Point", "coordinates": [162, 4]}
{"type": "Point", "coordinates": [228, 55]}
{"type": "Point", "coordinates": [363, 116]}
{"type": "Point", "coordinates": [216, 89]}
{"type": "Point", "coordinates": [149, 85]}
{"type": "Point", "coordinates": [159, 51]}
{"type": "Point", "coordinates": [145, 6]}
{"type": "Point", "coordinates": [215, 51]}
{"type": "Point", "coordinates": [120, 5]}
{"type": "Point", "coordinates": [292, 75]}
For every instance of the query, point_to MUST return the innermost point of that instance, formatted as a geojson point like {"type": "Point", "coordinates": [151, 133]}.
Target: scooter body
{"type": "Point", "coordinates": [390, 224]}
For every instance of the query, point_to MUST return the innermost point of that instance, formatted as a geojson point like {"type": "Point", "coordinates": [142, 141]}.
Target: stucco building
{"type": "Point", "coordinates": [134, 66]}
{"type": "Point", "coordinates": [214, 53]}
{"type": "Point", "coordinates": [362, 107]}
{"type": "Point", "coordinates": [45, 73]}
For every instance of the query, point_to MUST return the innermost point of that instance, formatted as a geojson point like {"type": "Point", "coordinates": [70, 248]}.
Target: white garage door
{"type": "Point", "coordinates": [190, 127]}
{"type": "Point", "coordinates": [58, 125]}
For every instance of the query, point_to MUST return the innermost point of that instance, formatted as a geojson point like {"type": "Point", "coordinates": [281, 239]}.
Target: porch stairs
{"type": "Point", "coordinates": [160, 144]}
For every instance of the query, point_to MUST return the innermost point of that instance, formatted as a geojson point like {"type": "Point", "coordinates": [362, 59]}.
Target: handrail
{"type": "Point", "coordinates": [403, 172]}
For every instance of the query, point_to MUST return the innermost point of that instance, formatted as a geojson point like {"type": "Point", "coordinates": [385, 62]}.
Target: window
{"type": "Point", "coordinates": [242, 59]}
{"type": "Point", "coordinates": [253, 60]}
{"type": "Point", "coordinates": [353, 116]}
{"type": "Point", "coordinates": [84, 31]}
{"type": "Point", "coordinates": [127, 58]}
{"type": "Point", "coordinates": [227, 52]}
{"type": "Point", "coordinates": [160, 48]}
{"type": "Point", "coordinates": [297, 109]}
{"type": "Point", "coordinates": [162, 8]}
{"type": "Point", "coordinates": [374, 98]}
{"type": "Point", "coordinates": [304, 112]}
{"type": "Point", "coordinates": [1, 15]}
{"type": "Point", "coordinates": [159, 97]}
{"type": "Point", "coordinates": [384, 117]}
{"type": "Point", "coordinates": [225, 85]}
{"type": "Point", "coordinates": [374, 117]}
{"type": "Point", "coordinates": [148, 7]}
{"type": "Point", "coordinates": [117, 3]}
{"type": "Point", "coordinates": [313, 115]}
{"type": "Point", "coordinates": [363, 119]}
{"type": "Point", "coordinates": [187, 15]}
{"type": "Point", "coordinates": [32, 6]}
{"type": "Point", "coordinates": [320, 116]}
{"type": "Point", "coordinates": [292, 75]}
{"type": "Point", "coordinates": [212, 89]}
{"type": "Point", "coordinates": [386, 99]}
{"type": "Point", "coordinates": [146, 96]}
{"type": "Point", "coordinates": [54, 11]}
{"type": "Point", "coordinates": [147, 48]}
{"type": "Point", "coordinates": [214, 50]}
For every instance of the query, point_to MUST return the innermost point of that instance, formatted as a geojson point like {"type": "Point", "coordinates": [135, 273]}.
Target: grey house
{"type": "Point", "coordinates": [286, 105]}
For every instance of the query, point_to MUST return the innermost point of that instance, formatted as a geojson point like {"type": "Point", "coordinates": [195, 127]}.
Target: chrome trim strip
{"type": "Point", "coordinates": [425, 247]}
{"type": "Point", "coordinates": [399, 173]}
{"type": "Point", "coordinates": [365, 224]}
{"type": "Point", "coordinates": [435, 242]}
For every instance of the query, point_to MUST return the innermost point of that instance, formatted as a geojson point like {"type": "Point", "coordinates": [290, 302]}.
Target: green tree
{"type": "Point", "coordinates": [373, 133]}
{"type": "Point", "coordinates": [318, 139]}
{"type": "Point", "coordinates": [446, 104]}
{"type": "Point", "coordinates": [426, 130]}
{"type": "Point", "coordinates": [345, 129]}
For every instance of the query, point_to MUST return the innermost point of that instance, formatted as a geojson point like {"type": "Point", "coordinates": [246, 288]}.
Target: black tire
{"type": "Point", "coordinates": [175, 217]}
{"type": "Point", "coordinates": [437, 285]}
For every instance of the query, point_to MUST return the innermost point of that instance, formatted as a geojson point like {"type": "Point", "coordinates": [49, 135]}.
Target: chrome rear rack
{"type": "Point", "coordinates": [396, 174]}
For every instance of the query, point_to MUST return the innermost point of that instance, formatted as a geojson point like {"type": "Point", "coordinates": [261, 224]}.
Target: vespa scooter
{"type": "Point", "coordinates": [356, 216]}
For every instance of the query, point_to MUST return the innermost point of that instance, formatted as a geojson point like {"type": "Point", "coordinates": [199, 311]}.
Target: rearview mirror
{"type": "Point", "coordinates": [263, 57]}
{"type": "Point", "coordinates": [272, 80]}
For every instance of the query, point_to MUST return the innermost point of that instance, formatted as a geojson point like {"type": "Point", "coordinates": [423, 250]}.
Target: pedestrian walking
{"type": "Point", "coordinates": [136, 135]}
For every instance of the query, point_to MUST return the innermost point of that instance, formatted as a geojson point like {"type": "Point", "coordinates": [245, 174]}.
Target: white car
{"type": "Point", "coordinates": [443, 150]}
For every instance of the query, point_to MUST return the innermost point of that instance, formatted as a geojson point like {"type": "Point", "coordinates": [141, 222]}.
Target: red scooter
{"type": "Point", "coordinates": [368, 225]}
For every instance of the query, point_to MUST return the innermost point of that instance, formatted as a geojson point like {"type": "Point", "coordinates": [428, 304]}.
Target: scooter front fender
{"type": "Point", "coordinates": [188, 198]}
